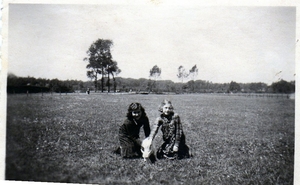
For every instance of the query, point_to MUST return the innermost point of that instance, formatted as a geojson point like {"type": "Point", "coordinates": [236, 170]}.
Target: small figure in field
{"type": "Point", "coordinates": [130, 143]}
{"type": "Point", "coordinates": [88, 91]}
{"type": "Point", "coordinates": [174, 146]}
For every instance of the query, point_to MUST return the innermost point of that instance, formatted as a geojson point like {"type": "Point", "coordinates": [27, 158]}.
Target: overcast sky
{"type": "Point", "coordinates": [242, 44]}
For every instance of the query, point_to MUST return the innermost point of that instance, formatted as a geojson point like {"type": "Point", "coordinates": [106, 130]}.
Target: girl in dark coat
{"type": "Point", "coordinates": [130, 143]}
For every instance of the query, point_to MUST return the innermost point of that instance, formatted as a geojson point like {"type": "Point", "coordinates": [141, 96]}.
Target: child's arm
{"type": "Point", "coordinates": [147, 127]}
{"type": "Point", "coordinates": [155, 128]}
{"type": "Point", "coordinates": [178, 131]}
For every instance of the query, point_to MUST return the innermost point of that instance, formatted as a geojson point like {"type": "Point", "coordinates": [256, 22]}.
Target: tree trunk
{"type": "Point", "coordinates": [96, 83]}
{"type": "Point", "coordinates": [115, 85]}
{"type": "Point", "coordinates": [102, 80]}
{"type": "Point", "coordinates": [150, 84]}
{"type": "Point", "coordinates": [108, 83]}
{"type": "Point", "coordinates": [114, 81]}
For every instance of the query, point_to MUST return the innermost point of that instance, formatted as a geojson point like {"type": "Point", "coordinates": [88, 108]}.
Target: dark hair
{"type": "Point", "coordinates": [133, 107]}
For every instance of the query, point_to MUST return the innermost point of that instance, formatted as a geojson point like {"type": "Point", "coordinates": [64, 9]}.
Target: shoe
{"type": "Point", "coordinates": [170, 156]}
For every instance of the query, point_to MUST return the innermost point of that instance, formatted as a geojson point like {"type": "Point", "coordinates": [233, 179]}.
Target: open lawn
{"type": "Point", "coordinates": [70, 138]}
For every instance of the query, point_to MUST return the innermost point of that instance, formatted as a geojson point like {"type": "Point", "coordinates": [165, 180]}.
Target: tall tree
{"type": "Point", "coordinates": [194, 72]}
{"type": "Point", "coordinates": [182, 74]}
{"type": "Point", "coordinates": [99, 57]}
{"type": "Point", "coordinates": [154, 74]}
{"type": "Point", "coordinates": [112, 69]}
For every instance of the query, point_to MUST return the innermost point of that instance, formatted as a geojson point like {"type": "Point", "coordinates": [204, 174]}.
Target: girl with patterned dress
{"type": "Point", "coordinates": [174, 146]}
{"type": "Point", "coordinates": [130, 143]}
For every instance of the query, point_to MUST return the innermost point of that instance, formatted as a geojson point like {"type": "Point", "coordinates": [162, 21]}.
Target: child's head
{"type": "Point", "coordinates": [166, 107]}
{"type": "Point", "coordinates": [136, 111]}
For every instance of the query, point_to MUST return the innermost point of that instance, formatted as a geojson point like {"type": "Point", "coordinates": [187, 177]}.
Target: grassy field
{"type": "Point", "coordinates": [70, 138]}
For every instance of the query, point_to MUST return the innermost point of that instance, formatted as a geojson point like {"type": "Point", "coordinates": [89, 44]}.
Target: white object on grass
{"type": "Point", "coordinates": [147, 148]}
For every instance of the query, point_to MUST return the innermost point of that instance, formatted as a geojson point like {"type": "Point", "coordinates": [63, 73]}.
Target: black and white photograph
{"type": "Point", "coordinates": [149, 92]}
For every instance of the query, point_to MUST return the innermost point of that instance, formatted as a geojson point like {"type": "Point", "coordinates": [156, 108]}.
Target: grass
{"type": "Point", "coordinates": [69, 138]}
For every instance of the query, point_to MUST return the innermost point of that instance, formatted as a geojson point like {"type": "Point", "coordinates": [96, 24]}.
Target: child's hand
{"type": "Point", "coordinates": [175, 149]}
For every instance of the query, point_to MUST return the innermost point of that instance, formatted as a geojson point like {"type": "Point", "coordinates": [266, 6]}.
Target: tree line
{"type": "Point", "coordinates": [17, 84]}
{"type": "Point", "coordinates": [101, 68]}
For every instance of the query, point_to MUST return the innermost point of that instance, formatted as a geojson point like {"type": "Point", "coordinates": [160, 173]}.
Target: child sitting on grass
{"type": "Point", "coordinates": [130, 143]}
{"type": "Point", "coordinates": [174, 146]}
